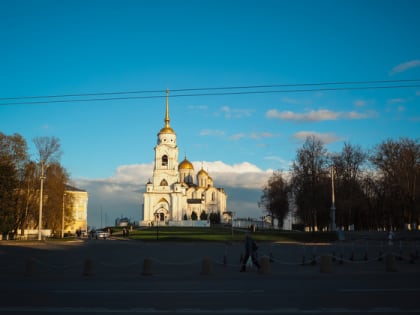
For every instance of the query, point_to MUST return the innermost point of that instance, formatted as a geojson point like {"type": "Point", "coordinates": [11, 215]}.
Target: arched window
{"type": "Point", "coordinates": [213, 196]}
{"type": "Point", "coordinates": [165, 160]}
{"type": "Point", "coordinates": [163, 182]}
{"type": "Point", "coordinates": [188, 179]}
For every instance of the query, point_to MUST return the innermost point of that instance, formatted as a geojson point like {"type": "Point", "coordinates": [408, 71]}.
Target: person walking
{"type": "Point", "coordinates": [251, 249]}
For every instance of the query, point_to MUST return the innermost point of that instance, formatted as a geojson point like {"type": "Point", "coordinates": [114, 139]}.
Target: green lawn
{"type": "Point", "coordinates": [226, 235]}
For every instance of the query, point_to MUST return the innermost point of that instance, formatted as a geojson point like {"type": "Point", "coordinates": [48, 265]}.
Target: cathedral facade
{"type": "Point", "coordinates": [175, 195]}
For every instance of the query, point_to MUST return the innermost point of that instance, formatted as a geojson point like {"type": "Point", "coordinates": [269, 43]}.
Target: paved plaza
{"type": "Point", "coordinates": [121, 276]}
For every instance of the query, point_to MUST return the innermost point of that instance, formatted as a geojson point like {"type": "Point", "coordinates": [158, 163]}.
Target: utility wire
{"type": "Point", "coordinates": [214, 88]}
{"type": "Point", "coordinates": [318, 88]}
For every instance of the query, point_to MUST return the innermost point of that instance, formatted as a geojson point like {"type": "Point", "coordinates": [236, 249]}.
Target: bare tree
{"type": "Point", "coordinates": [49, 151]}
{"type": "Point", "coordinates": [348, 166]}
{"type": "Point", "coordinates": [55, 186]}
{"type": "Point", "coordinates": [28, 198]}
{"type": "Point", "coordinates": [310, 183]}
{"type": "Point", "coordinates": [13, 157]}
{"type": "Point", "coordinates": [398, 164]}
{"type": "Point", "coordinates": [275, 197]}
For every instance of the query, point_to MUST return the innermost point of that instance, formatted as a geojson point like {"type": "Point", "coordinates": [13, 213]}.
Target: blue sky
{"type": "Point", "coordinates": [81, 47]}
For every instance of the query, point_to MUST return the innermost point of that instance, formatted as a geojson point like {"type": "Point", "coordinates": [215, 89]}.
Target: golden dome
{"type": "Point", "coordinates": [202, 172]}
{"type": "Point", "coordinates": [185, 165]}
{"type": "Point", "coordinates": [167, 129]}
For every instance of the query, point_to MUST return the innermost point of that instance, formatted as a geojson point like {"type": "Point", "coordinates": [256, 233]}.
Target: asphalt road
{"type": "Point", "coordinates": [108, 277]}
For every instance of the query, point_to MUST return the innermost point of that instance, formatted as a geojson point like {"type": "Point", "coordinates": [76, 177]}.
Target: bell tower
{"type": "Point", "coordinates": [165, 172]}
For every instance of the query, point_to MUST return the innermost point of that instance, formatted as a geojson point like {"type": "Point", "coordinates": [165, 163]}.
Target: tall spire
{"type": "Point", "coordinates": [167, 110]}
{"type": "Point", "coordinates": [166, 128]}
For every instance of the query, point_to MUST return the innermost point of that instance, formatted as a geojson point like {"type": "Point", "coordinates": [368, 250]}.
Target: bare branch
{"type": "Point", "coordinates": [48, 149]}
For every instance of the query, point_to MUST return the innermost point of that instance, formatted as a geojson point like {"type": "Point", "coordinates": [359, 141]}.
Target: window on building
{"type": "Point", "coordinates": [163, 182]}
{"type": "Point", "coordinates": [165, 160]}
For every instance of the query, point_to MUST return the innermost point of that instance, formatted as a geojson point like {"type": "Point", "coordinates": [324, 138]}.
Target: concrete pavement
{"type": "Point", "coordinates": [48, 277]}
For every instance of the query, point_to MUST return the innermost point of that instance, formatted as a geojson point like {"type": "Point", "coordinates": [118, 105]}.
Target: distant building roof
{"type": "Point", "coordinates": [72, 188]}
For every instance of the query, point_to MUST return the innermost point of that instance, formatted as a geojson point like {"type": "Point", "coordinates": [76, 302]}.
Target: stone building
{"type": "Point", "coordinates": [77, 201]}
{"type": "Point", "coordinates": [175, 195]}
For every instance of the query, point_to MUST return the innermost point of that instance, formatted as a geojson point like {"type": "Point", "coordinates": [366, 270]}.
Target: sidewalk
{"type": "Point", "coordinates": [118, 259]}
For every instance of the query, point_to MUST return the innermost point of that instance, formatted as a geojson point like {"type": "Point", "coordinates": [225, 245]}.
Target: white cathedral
{"type": "Point", "coordinates": [172, 197]}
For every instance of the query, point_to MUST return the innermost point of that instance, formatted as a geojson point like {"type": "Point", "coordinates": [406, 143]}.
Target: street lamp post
{"type": "Point", "coordinates": [332, 210]}
{"type": "Point", "coordinates": [62, 218]}
{"type": "Point", "coordinates": [231, 226]}
{"type": "Point", "coordinates": [40, 202]}
{"type": "Point", "coordinates": [157, 225]}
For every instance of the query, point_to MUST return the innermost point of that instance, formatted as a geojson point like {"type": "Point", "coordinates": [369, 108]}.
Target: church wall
{"type": "Point", "coordinates": [178, 206]}
{"type": "Point", "coordinates": [171, 184]}
{"type": "Point", "coordinates": [146, 207]}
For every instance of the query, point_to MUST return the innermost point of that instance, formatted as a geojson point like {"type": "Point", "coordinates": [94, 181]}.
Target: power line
{"type": "Point", "coordinates": [214, 88]}
{"type": "Point", "coordinates": [318, 88]}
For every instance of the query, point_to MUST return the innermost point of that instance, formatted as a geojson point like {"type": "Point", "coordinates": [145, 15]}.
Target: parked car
{"type": "Point", "coordinates": [101, 234]}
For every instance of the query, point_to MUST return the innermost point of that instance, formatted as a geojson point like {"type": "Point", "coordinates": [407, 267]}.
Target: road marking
{"type": "Point", "coordinates": [381, 290]}
{"type": "Point", "coordinates": [102, 310]}
{"type": "Point", "coordinates": [163, 291]}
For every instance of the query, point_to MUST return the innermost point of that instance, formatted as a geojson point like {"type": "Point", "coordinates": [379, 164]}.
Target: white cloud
{"type": "Point", "coordinates": [396, 101]}
{"type": "Point", "coordinates": [235, 112]}
{"type": "Point", "coordinates": [318, 115]}
{"type": "Point", "coordinates": [132, 173]}
{"type": "Point", "coordinates": [292, 101]}
{"type": "Point", "coordinates": [261, 135]}
{"type": "Point", "coordinates": [198, 107]}
{"type": "Point", "coordinates": [253, 135]}
{"type": "Point", "coordinates": [220, 166]}
{"type": "Point", "coordinates": [261, 145]}
{"type": "Point", "coordinates": [396, 104]}
{"type": "Point", "coordinates": [355, 115]}
{"type": "Point", "coordinates": [405, 66]}
{"type": "Point", "coordinates": [283, 164]}
{"type": "Point", "coordinates": [109, 200]}
{"type": "Point", "coordinates": [308, 116]}
{"type": "Point", "coordinates": [360, 103]}
{"type": "Point", "coordinates": [244, 175]}
{"type": "Point", "coordinates": [237, 136]}
{"type": "Point", "coordinates": [212, 132]}
{"type": "Point", "coordinates": [122, 193]}
{"type": "Point", "coordinates": [326, 138]}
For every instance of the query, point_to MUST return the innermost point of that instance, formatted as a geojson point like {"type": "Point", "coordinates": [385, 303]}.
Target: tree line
{"type": "Point", "coordinates": [374, 189]}
{"type": "Point", "coordinates": [20, 178]}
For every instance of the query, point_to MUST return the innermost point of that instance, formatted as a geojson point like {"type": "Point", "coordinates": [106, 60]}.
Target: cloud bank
{"type": "Point", "coordinates": [317, 115]}
{"type": "Point", "coordinates": [405, 66]}
{"type": "Point", "coordinates": [122, 193]}
{"type": "Point", "coordinates": [326, 138]}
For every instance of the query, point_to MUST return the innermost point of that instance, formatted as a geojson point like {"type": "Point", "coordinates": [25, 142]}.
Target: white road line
{"type": "Point", "coordinates": [163, 291]}
{"type": "Point", "coordinates": [381, 290]}
{"type": "Point", "coordinates": [102, 310]}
